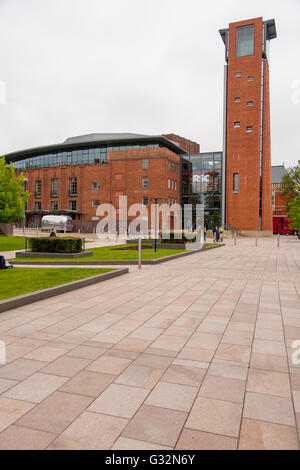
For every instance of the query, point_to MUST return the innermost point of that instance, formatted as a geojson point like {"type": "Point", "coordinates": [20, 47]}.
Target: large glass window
{"type": "Point", "coordinates": [245, 41]}
{"type": "Point", "coordinates": [83, 156]}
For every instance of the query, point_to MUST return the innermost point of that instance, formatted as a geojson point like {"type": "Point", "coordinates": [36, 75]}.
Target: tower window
{"type": "Point", "coordinates": [235, 182]}
{"type": "Point", "coordinates": [95, 203]}
{"type": "Point", "coordinates": [245, 41]}
{"type": "Point", "coordinates": [145, 201]}
{"type": "Point", "coordinates": [237, 125]}
{"type": "Point", "coordinates": [238, 74]}
{"type": "Point", "coordinates": [95, 185]}
{"type": "Point", "coordinates": [145, 182]}
{"type": "Point", "coordinates": [250, 103]}
{"type": "Point", "coordinates": [237, 100]}
{"type": "Point", "coordinates": [249, 129]}
{"type": "Point", "coordinates": [145, 164]}
{"type": "Point", "coordinates": [250, 79]}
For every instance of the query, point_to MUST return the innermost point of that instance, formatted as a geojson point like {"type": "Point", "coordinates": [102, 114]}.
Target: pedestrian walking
{"type": "Point", "coordinates": [221, 234]}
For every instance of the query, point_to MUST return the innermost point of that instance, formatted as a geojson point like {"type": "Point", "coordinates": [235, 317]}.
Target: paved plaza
{"type": "Point", "coordinates": [195, 353]}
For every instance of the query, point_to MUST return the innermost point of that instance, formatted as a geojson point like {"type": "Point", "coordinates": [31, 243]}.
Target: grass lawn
{"type": "Point", "coordinates": [108, 253]}
{"type": "Point", "coordinates": [18, 281]}
{"type": "Point", "coordinates": [12, 243]}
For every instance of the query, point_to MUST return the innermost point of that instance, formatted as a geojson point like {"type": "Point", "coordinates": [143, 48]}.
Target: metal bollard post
{"type": "Point", "coordinates": [256, 239]}
{"type": "Point", "coordinates": [278, 240]}
{"type": "Point", "coordinates": [140, 253]}
{"type": "Point", "coordinates": [235, 238]}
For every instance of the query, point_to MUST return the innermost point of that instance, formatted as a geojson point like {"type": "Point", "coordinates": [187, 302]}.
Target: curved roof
{"type": "Point", "coordinates": [101, 137]}
{"type": "Point", "coordinates": [94, 139]}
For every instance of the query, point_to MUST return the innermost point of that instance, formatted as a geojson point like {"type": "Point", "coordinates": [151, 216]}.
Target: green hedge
{"type": "Point", "coordinates": [172, 238]}
{"type": "Point", "coordinates": [55, 245]}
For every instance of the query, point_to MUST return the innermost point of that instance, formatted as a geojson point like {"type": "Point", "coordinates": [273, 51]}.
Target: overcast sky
{"type": "Point", "coordinates": [74, 67]}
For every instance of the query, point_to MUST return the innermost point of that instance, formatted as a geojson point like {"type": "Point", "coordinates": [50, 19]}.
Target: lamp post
{"type": "Point", "coordinates": [156, 199]}
{"type": "Point", "coordinates": [25, 181]}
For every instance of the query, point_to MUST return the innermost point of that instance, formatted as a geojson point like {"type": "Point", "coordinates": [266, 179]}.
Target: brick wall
{"type": "Point", "coordinates": [122, 175]}
{"type": "Point", "coordinates": [243, 149]}
{"type": "Point", "coordinates": [186, 144]}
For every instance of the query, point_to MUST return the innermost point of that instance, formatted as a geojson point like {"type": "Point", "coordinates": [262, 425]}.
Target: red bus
{"type": "Point", "coordinates": [281, 224]}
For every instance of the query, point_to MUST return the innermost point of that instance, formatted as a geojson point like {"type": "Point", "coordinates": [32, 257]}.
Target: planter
{"type": "Point", "coordinates": [32, 254]}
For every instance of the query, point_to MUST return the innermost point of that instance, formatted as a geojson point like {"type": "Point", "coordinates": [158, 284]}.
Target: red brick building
{"type": "Point", "coordinates": [75, 177]}
{"type": "Point", "coordinates": [188, 145]}
{"type": "Point", "coordinates": [247, 151]}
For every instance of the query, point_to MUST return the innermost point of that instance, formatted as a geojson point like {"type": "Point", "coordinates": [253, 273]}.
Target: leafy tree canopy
{"type": "Point", "coordinates": [12, 195]}
{"type": "Point", "coordinates": [290, 185]}
{"type": "Point", "coordinates": [294, 212]}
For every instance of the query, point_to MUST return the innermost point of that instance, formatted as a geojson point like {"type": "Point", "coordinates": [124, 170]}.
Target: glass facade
{"type": "Point", "coordinates": [83, 156]}
{"type": "Point", "coordinates": [245, 41]}
{"type": "Point", "coordinates": [207, 185]}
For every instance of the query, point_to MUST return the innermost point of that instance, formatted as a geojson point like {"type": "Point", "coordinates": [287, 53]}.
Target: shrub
{"type": "Point", "coordinates": [172, 238]}
{"type": "Point", "coordinates": [55, 245]}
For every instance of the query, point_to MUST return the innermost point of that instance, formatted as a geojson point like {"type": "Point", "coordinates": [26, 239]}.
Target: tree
{"type": "Point", "coordinates": [13, 197]}
{"type": "Point", "coordinates": [290, 184]}
{"type": "Point", "coordinates": [294, 212]}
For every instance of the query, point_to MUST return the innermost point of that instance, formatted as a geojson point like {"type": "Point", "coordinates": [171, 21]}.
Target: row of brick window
{"type": "Point", "coordinates": [73, 187]}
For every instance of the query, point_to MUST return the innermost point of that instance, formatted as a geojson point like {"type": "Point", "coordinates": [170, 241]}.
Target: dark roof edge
{"type": "Point", "coordinates": [35, 151]}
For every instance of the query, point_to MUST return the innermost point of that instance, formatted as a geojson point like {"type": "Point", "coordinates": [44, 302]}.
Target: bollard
{"type": "Point", "coordinates": [278, 240]}
{"type": "Point", "coordinates": [140, 253]}
{"type": "Point", "coordinates": [235, 238]}
{"type": "Point", "coordinates": [256, 239]}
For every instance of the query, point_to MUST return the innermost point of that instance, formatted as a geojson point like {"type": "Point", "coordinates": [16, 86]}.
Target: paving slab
{"type": "Point", "coordinates": [196, 353]}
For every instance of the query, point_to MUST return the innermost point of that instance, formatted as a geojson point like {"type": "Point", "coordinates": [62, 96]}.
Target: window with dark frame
{"type": "Point", "coordinates": [54, 187]}
{"type": "Point", "coordinates": [73, 205]}
{"type": "Point", "coordinates": [95, 185]}
{"type": "Point", "coordinates": [145, 182]}
{"type": "Point", "coordinates": [73, 186]}
{"type": "Point", "coordinates": [95, 203]}
{"type": "Point", "coordinates": [145, 164]}
{"type": "Point", "coordinates": [38, 206]}
{"type": "Point", "coordinates": [54, 205]}
{"type": "Point", "coordinates": [38, 188]}
{"type": "Point", "coordinates": [145, 201]}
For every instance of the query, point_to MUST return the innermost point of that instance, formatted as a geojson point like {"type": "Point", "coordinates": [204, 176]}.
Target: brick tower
{"type": "Point", "coordinates": [247, 185]}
